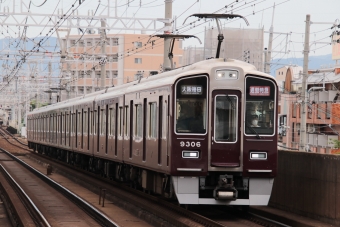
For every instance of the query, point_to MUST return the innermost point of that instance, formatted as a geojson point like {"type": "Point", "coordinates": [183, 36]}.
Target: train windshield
{"type": "Point", "coordinates": [191, 105]}
{"type": "Point", "coordinates": [260, 106]}
{"type": "Point", "coordinates": [226, 118]}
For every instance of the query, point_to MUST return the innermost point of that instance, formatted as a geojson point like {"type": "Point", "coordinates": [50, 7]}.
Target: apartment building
{"type": "Point", "coordinates": [127, 57]}
{"type": "Point", "coordinates": [323, 110]}
{"type": "Point", "coordinates": [241, 44]}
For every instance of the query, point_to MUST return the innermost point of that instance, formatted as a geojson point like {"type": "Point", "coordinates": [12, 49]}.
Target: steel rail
{"type": "Point", "coordinates": [9, 134]}
{"type": "Point", "coordinates": [138, 199]}
{"type": "Point", "coordinates": [88, 208]}
{"type": "Point", "coordinates": [32, 209]}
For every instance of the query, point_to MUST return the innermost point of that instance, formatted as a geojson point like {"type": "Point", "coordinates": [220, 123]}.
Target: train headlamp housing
{"type": "Point", "coordinates": [226, 75]}
{"type": "Point", "coordinates": [255, 155]}
{"type": "Point", "coordinates": [190, 154]}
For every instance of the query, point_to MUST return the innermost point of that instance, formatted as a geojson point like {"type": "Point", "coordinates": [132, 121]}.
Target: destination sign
{"type": "Point", "coordinates": [259, 91]}
{"type": "Point", "coordinates": [191, 90]}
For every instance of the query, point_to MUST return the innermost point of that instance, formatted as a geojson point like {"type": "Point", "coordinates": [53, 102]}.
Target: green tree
{"type": "Point", "coordinates": [336, 143]}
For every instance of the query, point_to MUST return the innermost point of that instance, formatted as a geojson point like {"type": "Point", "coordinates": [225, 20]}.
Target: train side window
{"type": "Point", "coordinates": [105, 120]}
{"type": "Point", "coordinates": [126, 119]}
{"type": "Point", "coordinates": [113, 121]}
{"type": "Point", "coordinates": [165, 119]}
{"type": "Point", "coordinates": [66, 123]}
{"type": "Point", "coordinates": [61, 123]}
{"type": "Point", "coordinates": [79, 122]}
{"type": "Point", "coordinates": [55, 123]}
{"type": "Point", "coordinates": [131, 127]}
{"type": "Point", "coordinates": [81, 126]}
{"type": "Point", "coordinates": [102, 122]}
{"type": "Point", "coordinates": [110, 122]}
{"type": "Point", "coordinates": [98, 123]}
{"type": "Point", "coordinates": [75, 130]}
{"type": "Point", "coordinates": [95, 117]}
{"type": "Point", "coordinates": [65, 127]}
{"type": "Point", "coordinates": [153, 120]}
{"type": "Point", "coordinates": [120, 120]}
{"type": "Point", "coordinates": [85, 122]}
{"type": "Point", "coordinates": [139, 121]}
{"type": "Point", "coordinates": [72, 123]}
{"type": "Point", "coordinates": [90, 122]}
{"type": "Point", "coordinates": [50, 127]}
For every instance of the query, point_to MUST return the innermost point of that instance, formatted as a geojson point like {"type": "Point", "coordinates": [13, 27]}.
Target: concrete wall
{"type": "Point", "coordinates": [308, 184]}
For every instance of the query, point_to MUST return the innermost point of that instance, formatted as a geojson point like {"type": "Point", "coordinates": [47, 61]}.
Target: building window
{"type": "Point", "coordinates": [81, 43]}
{"type": "Point", "coordinates": [138, 44]}
{"type": "Point", "coordinates": [114, 42]}
{"type": "Point", "coordinates": [73, 42]}
{"type": "Point", "coordinates": [138, 61]}
{"type": "Point", "coordinates": [113, 58]}
{"type": "Point", "coordinates": [114, 74]}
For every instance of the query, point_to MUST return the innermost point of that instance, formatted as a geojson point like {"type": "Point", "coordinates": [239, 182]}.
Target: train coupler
{"type": "Point", "coordinates": [225, 189]}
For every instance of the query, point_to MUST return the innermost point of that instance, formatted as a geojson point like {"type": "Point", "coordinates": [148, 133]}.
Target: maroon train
{"type": "Point", "coordinates": [205, 133]}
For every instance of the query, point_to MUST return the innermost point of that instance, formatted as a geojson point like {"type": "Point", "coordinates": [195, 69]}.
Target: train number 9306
{"type": "Point", "coordinates": [189, 144]}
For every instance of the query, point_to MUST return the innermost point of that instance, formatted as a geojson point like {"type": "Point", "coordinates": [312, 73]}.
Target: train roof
{"type": "Point", "coordinates": [158, 80]}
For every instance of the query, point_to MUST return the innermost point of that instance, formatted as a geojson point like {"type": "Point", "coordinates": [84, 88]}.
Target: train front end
{"type": "Point", "coordinates": [224, 148]}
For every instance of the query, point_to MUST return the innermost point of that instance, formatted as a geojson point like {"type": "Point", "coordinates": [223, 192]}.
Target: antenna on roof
{"type": "Point", "coordinates": [220, 36]}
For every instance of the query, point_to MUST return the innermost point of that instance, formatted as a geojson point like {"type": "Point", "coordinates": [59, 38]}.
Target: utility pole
{"type": "Point", "coordinates": [268, 53]}
{"type": "Point", "coordinates": [304, 87]}
{"type": "Point", "coordinates": [103, 47]}
{"type": "Point", "coordinates": [49, 82]}
{"type": "Point", "coordinates": [19, 114]}
{"type": "Point", "coordinates": [168, 15]}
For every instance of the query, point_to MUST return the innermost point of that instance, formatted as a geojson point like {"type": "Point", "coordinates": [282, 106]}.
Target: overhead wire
{"type": "Point", "coordinates": [19, 63]}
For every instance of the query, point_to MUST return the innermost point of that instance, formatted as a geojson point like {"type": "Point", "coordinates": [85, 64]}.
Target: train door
{"type": "Point", "coordinates": [226, 121]}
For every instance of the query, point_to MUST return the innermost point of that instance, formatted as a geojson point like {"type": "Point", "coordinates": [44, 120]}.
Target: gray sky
{"type": "Point", "coordinates": [289, 17]}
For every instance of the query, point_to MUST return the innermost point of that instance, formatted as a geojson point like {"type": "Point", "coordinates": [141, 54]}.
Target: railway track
{"type": "Point", "coordinates": [150, 206]}
{"type": "Point", "coordinates": [43, 198]}
{"type": "Point", "coordinates": [154, 205]}
{"type": "Point", "coordinates": [24, 213]}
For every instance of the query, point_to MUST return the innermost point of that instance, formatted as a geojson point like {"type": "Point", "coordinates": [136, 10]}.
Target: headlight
{"type": "Point", "coordinates": [258, 155]}
{"type": "Point", "coordinates": [190, 154]}
{"type": "Point", "coordinates": [226, 75]}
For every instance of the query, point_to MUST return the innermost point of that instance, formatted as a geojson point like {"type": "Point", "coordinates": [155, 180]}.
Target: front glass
{"type": "Point", "coordinates": [225, 118]}
{"type": "Point", "coordinates": [191, 105]}
{"type": "Point", "coordinates": [260, 106]}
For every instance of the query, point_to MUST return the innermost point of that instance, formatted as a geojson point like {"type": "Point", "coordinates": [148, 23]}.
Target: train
{"type": "Point", "coordinates": [204, 133]}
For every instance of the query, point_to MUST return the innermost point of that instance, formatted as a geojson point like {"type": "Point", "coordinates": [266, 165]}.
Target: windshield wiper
{"type": "Point", "coordinates": [231, 102]}
{"type": "Point", "coordinates": [253, 130]}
